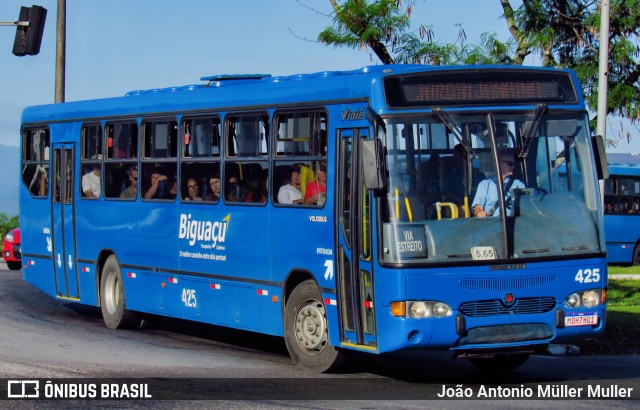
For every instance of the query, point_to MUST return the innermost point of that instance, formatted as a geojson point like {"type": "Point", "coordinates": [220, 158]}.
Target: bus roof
{"type": "Point", "coordinates": [256, 91]}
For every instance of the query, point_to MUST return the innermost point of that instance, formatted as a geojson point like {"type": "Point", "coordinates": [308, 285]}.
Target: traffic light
{"type": "Point", "coordinates": [29, 38]}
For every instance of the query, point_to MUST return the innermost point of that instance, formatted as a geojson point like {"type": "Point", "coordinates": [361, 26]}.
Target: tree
{"type": "Point", "coordinates": [7, 224]}
{"type": "Point", "coordinates": [564, 33]}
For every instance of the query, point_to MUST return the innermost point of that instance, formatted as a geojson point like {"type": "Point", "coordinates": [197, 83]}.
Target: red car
{"type": "Point", "coordinates": [11, 250]}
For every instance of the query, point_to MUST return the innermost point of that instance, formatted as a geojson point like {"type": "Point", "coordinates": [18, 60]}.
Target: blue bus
{"type": "Point", "coordinates": [622, 213]}
{"type": "Point", "coordinates": [344, 211]}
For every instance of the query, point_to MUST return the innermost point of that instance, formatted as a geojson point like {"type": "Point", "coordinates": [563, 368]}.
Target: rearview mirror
{"type": "Point", "coordinates": [373, 164]}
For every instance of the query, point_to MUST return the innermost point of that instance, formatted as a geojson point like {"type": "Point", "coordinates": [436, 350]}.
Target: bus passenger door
{"type": "Point", "coordinates": [354, 264]}
{"type": "Point", "coordinates": [63, 226]}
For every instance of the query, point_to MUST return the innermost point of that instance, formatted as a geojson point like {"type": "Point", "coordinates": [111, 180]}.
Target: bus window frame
{"type": "Point", "coordinates": [229, 159]}
{"type": "Point", "coordinates": [313, 162]}
{"type": "Point", "coordinates": [127, 162]}
{"type": "Point", "coordinates": [43, 163]}
{"type": "Point", "coordinates": [212, 160]}
{"type": "Point", "coordinates": [86, 164]}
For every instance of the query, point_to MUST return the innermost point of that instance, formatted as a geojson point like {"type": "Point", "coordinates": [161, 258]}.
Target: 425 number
{"type": "Point", "coordinates": [588, 275]}
{"type": "Point", "coordinates": [189, 297]}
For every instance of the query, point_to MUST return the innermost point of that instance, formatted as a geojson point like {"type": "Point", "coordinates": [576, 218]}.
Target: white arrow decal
{"type": "Point", "coordinates": [328, 274]}
{"type": "Point", "coordinates": [70, 262]}
{"type": "Point", "coordinates": [59, 261]}
{"type": "Point", "coordinates": [49, 246]}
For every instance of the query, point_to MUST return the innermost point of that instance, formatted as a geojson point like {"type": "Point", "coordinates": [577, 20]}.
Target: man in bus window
{"type": "Point", "coordinates": [214, 187]}
{"type": "Point", "coordinates": [290, 193]}
{"type": "Point", "coordinates": [132, 190]}
{"type": "Point", "coordinates": [159, 186]}
{"type": "Point", "coordinates": [485, 202]}
{"type": "Point", "coordinates": [91, 182]}
{"type": "Point", "coordinates": [235, 192]}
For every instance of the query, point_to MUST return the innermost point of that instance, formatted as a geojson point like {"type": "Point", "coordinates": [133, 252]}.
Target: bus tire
{"type": "Point", "coordinates": [500, 363]}
{"type": "Point", "coordinates": [635, 259]}
{"type": "Point", "coordinates": [306, 332]}
{"type": "Point", "coordinates": [112, 301]}
{"type": "Point", "coordinates": [14, 265]}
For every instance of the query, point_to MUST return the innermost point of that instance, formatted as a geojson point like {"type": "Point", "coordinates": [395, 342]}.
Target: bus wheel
{"type": "Point", "coordinates": [500, 363]}
{"type": "Point", "coordinates": [14, 265]}
{"type": "Point", "coordinates": [636, 256]}
{"type": "Point", "coordinates": [112, 302]}
{"type": "Point", "coordinates": [306, 333]}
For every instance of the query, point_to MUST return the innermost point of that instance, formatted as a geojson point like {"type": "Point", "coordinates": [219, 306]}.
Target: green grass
{"type": "Point", "coordinates": [622, 331]}
{"type": "Point", "coordinates": [621, 270]}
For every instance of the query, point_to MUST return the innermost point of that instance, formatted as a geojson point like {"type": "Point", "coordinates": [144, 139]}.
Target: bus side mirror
{"type": "Point", "coordinates": [600, 157]}
{"type": "Point", "coordinates": [373, 164]}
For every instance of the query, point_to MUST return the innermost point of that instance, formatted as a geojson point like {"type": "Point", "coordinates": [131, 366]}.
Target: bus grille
{"type": "Point", "coordinates": [508, 283]}
{"type": "Point", "coordinates": [496, 308]}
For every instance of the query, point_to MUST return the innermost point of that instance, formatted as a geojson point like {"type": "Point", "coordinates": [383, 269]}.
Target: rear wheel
{"type": "Point", "coordinates": [306, 331]}
{"type": "Point", "coordinates": [500, 363]}
{"type": "Point", "coordinates": [112, 302]}
{"type": "Point", "coordinates": [14, 265]}
{"type": "Point", "coordinates": [636, 256]}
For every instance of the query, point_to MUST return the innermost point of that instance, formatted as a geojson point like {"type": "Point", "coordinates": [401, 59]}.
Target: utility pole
{"type": "Point", "coordinates": [61, 40]}
{"type": "Point", "coordinates": [604, 67]}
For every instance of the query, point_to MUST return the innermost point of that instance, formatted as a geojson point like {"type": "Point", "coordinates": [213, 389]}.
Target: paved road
{"type": "Point", "coordinates": [44, 338]}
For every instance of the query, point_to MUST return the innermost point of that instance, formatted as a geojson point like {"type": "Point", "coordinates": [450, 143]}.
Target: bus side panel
{"type": "Point", "coordinates": [36, 238]}
{"type": "Point", "coordinates": [302, 241]}
{"type": "Point", "coordinates": [621, 237]}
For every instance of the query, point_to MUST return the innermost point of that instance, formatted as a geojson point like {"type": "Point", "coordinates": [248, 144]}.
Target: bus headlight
{"type": "Point", "coordinates": [587, 298]}
{"type": "Point", "coordinates": [590, 299]}
{"type": "Point", "coordinates": [9, 237]}
{"type": "Point", "coordinates": [420, 309]}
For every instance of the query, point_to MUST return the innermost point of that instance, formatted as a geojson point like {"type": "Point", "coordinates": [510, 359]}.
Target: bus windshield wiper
{"type": "Point", "coordinates": [525, 142]}
{"type": "Point", "coordinates": [451, 125]}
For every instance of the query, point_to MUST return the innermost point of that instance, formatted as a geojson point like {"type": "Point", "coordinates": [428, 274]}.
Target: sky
{"type": "Point", "coordinates": [117, 46]}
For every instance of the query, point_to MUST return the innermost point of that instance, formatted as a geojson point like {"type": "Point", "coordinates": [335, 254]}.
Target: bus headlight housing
{"type": "Point", "coordinates": [588, 299]}
{"type": "Point", "coordinates": [421, 309]}
{"type": "Point", "coordinates": [9, 237]}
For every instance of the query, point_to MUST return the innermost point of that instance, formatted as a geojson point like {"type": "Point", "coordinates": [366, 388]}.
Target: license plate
{"type": "Point", "coordinates": [581, 320]}
{"type": "Point", "coordinates": [483, 253]}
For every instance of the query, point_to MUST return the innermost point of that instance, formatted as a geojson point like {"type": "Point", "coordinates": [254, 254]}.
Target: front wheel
{"type": "Point", "coordinates": [306, 332]}
{"type": "Point", "coordinates": [112, 302]}
{"type": "Point", "coordinates": [14, 265]}
{"type": "Point", "coordinates": [500, 363]}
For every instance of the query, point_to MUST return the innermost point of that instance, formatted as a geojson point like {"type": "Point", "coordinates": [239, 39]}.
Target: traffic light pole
{"type": "Point", "coordinates": [61, 40]}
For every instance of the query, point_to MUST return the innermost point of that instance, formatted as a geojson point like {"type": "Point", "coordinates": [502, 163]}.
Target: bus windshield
{"type": "Point", "coordinates": [444, 202]}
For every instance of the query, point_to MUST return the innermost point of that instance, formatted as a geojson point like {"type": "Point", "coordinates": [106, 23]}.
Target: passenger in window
{"type": "Point", "coordinates": [132, 190]}
{"type": "Point", "coordinates": [159, 186]}
{"type": "Point", "coordinates": [609, 209]}
{"type": "Point", "coordinates": [486, 200]}
{"type": "Point", "coordinates": [262, 192]}
{"type": "Point", "coordinates": [214, 185]}
{"type": "Point", "coordinates": [316, 192]}
{"type": "Point", "coordinates": [39, 183]}
{"type": "Point", "coordinates": [235, 192]}
{"type": "Point", "coordinates": [193, 190]}
{"type": "Point", "coordinates": [290, 193]}
{"type": "Point", "coordinates": [91, 182]}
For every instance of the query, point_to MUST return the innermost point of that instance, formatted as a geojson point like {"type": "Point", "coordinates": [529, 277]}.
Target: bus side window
{"type": "Point", "coordinates": [121, 149]}
{"type": "Point", "coordinates": [35, 162]}
{"type": "Point", "coordinates": [247, 153]}
{"type": "Point", "coordinates": [300, 146]}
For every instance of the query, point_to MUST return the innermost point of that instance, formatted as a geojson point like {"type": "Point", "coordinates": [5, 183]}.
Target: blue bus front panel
{"type": "Point", "coordinates": [521, 305]}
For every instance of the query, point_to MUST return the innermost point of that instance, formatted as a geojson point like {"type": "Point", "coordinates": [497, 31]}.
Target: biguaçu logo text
{"type": "Point", "coordinates": [194, 230]}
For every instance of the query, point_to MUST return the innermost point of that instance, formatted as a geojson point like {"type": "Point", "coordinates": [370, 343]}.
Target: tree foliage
{"type": "Point", "coordinates": [561, 33]}
{"type": "Point", "coordinates": [7, 224]}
